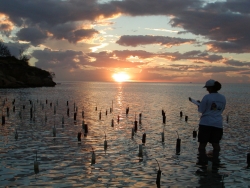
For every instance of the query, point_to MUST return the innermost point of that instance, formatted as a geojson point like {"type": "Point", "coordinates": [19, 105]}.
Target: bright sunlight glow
{"type": "Point", "coordinates": [121, 77]}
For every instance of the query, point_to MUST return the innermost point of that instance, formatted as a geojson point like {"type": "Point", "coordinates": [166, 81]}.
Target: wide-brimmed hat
{"type": "Point", "coordinates": [209, 83]}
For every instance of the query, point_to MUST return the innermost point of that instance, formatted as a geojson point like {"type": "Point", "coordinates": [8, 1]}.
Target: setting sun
{"type": "Point", "coordinates": [121, 77]}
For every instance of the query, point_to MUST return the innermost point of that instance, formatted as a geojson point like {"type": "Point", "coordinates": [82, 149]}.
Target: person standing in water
{"type": "Point", "coordinates": [211, 122]}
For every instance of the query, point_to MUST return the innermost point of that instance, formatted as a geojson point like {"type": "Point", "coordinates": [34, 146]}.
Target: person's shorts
{"type": "Point", "coordinates": [209, 134]}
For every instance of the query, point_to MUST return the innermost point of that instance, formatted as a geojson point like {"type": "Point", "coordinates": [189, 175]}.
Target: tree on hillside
{"type": "Point", "coordinates": [4, 50]}
{"type": "Point", "coordinates": [22, 56]}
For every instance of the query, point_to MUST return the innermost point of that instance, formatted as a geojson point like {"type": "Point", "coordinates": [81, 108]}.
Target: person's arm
{"type": "Point", "coordinates": [202, 106]}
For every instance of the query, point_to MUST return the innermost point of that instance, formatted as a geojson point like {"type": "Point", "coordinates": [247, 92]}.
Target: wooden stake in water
{"type": "Point", "coordinates": [105, 143]}
{"type": "Point", "coordinates": [74, 116]}
{"type": "Point", "coordinates": [86, 129]}
{"type": "Point", "coordinates": [248, 160]}
{"type": "Point", "coordinates": [132, 133]}
{"type": "Point", "coordinates": [140, 150]}
{"type": "Point", "coordinates": [112, 123]}
{"type": "Point", "coordinates": [162, 136]}
{"type": "Point", "coordinates": [135, 124]}
{"type": "Point", "coordinates": [16, 135]}
{"type": "Point", "coordinates": [54, 131]}
{"type": "Point", "coordinates": [93, 157]}
{"type": "Point", "coordinates": [178, 145]}
{"type": "Point", "coordinates": [79, 136]}
{"type": "Point", "coordinates": [140, 115]}
{"type": "Point", "coordinates": [158, 178]}
{"type": "Point", "coordinates": [164, 119]}
{"type": "Point", "coordinates": [8, 111]}
{"type": "Point", "coordinates": [36, 165]}
{"type": "Point", "coordinates": [63, 120]}
{"type": "Point", "coordinates": [181, 114]}
{"type": "Point", "coordinates": [31, 113]}
{"type": "Point", "coordinates": [127, 110]}
{"type": "Point", "coordinates": [162, 112]}
{"type": "Point", "coordinates": [194, 133]}
{"type": "Point", "coordinates": [100, 115]}
{"type": "Point", "coordinates": [3, 119]}
{"type": "Point", "coordinates": [144, 138]}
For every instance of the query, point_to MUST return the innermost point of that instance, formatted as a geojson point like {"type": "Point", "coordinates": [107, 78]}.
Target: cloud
{"type": "Point", "coordinates": [107, 60]}
{"type": "Point", "coordinates": [5, 25]}
{"type": "Point", "coordinates": [220, 23]}
{"type": "Point", "coordinates": [33, 35]}
{"type": "Point", "coordinates": [220, 69]}
{"type": "Point", "coordinates": [59, 19]}
{"type": "Point", "coordinates": [69, 59]}
{"type": "Point", "coordinates": [127, 40]}
{"type": "Point", "coordinates": [149, 7]}
{"type": "Point", "coordinates": [236, 63]}
{"type": "Point", "coordinates": [192, 55]}
{"type": "Point", "coordinates": [72, 32]}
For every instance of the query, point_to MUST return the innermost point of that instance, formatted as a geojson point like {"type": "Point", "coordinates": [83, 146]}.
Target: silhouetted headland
{"type": "Point", "coordinates": [16, 73]}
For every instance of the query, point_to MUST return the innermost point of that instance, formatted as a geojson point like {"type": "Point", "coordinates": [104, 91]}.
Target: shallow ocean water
{"type": "Point", "coordinates": [65, 162]}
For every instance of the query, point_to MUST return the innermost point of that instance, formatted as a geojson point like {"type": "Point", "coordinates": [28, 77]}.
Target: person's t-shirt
{"type": "Point", "coordinates": [212, 105]}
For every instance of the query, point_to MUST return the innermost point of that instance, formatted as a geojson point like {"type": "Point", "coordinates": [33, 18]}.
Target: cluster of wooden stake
{"type": "Point", "coordinates": [86, 129]}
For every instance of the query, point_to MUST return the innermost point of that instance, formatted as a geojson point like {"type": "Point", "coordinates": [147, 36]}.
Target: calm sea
{"type": "Point", "coordinates": [65, 162]}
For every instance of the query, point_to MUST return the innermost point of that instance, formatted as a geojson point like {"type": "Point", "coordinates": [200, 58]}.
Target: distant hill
{"type": "Point", "coordinates": [16, 73]}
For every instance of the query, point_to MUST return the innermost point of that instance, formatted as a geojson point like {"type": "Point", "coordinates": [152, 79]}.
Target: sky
{"type": "Point", "coordinates": [146, 40]}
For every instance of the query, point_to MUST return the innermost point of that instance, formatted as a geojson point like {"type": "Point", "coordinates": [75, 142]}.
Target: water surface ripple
{"type": "Point", "coordinates": [65, 162]}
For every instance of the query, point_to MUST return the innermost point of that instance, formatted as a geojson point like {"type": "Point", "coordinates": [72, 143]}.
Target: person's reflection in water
{"type": "Point", "coordinates": [210, 178]}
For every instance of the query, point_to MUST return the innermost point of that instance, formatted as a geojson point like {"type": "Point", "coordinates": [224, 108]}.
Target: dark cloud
{"type": "Point", "coordinates": [192, 55]}
{"type": "Point", "coordinates": [220, 69]}
{"type": "Point", "coordinates": [33, 35]}
{"type": "Point", "coordinates": [64, 59]}
{"type": "Point", "coordinates": [54, 12]}
{"type": "Point", "coordinates": [69, 32]}
{"type": "Point", "coordinates": [59, 18]}
{"type": "Point", "coordinates": [236, 63]}
{"type": "Point", "coordinates": [128, 40]}
{"type": "Point", "coordinates": [219, 24]}
{"type": "Point", "coordinates": [149, 7]}
{"type": "Point", "coordinates": [225, 47]}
